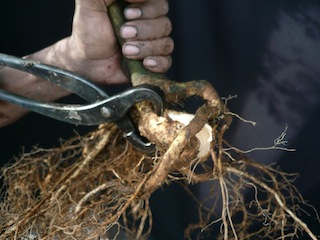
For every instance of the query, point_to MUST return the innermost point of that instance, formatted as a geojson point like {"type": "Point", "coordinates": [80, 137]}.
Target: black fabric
{"type": "Point", "coordinates": [266, 52]}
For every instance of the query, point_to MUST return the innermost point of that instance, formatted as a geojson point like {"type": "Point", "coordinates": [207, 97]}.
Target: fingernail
{"type": "Point", "coordinates": [132, 13]}
{"type": "Point", "coordinates": [150, 62]}
{"type": "Point", "coordinates": [130, 50]}
{"type": "Point", "coordinates": [128, 32]}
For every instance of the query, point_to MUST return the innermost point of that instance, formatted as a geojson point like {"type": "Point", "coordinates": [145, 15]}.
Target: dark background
{"type": "Point", "coordinates": [266, 52]}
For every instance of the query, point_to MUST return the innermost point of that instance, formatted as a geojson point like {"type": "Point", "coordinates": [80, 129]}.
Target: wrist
{"type": "Point", "coordinates": [58, 55]}
{"type": "Point", "coordinates": [27, 85]}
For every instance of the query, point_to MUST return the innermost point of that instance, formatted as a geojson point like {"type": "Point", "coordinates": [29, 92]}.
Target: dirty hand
{"type": "Point", "coordinates": [92, 51]}
{"type": "Point", "coordinates": [146, 38]}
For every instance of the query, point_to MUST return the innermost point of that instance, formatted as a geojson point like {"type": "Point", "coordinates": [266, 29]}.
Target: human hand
{"type": "Point", "coordinates": [94, 48]}
{"type": "Point", "coordinates": [92, 51]}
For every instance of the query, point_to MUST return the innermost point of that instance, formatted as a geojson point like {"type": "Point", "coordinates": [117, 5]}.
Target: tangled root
{"type": "Point", "coordinates": [98, 186]}
{"type": "Point", "coordinates": [79, 190]}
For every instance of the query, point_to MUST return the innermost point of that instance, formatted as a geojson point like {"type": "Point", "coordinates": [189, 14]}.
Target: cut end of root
{"type": "Point", "coordinates": [204, 136]}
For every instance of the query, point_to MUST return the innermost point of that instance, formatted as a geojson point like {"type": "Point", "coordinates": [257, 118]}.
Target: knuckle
{"type": "Point", "coordinates": [160, 47]}
{"type": "Point", "coordinates": [166, 7]}
{"type": "Point", "coordinates": [167, 26]}
{"type": "Point", "coordinates": [161, 6]}
{"type": "Point", "coordinates": [168, 45]}
{"type": "Point", "coordinates": [155, 8]}
{"type": "Point", "coordinates": [169, 61]}
{"type": "Point", "coordinates": [152, 29]}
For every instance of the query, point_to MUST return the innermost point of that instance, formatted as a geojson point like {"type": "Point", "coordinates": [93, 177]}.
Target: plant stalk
{"type": "Point", "coordinates": [134, 68]}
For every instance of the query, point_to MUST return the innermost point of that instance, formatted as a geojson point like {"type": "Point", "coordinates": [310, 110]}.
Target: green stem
{"type": "Point", "coordinates": [135, 68]}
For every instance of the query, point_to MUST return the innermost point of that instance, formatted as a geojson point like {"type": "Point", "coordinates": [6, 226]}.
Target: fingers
{"type": "Point", "coordinates": [146, 29]}
{"type": "Point", "coordinates": [146, 35]}
{"type": "Point", "coordinates": [155, 53]}
{"type": "Point", "coordinates": [147, 10]}
{"type": "Point", "coordinates": [158, 63]}
{"type": "Point", "coordinates": [142, 49]}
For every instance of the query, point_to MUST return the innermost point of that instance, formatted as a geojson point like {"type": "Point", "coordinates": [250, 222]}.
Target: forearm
{"type": "Point", "coordinates": [31, 86]}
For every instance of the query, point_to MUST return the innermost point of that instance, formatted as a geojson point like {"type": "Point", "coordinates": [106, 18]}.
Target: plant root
{"type": "Point", "coordinates": [98, 186]}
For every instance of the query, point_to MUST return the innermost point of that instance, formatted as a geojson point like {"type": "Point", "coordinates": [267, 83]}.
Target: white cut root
{"type": "Point", "coordinates": [204, 136]}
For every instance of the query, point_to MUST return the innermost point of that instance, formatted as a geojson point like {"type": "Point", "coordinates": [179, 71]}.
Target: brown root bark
{"type": "Point", "coordinates": [95, 185]}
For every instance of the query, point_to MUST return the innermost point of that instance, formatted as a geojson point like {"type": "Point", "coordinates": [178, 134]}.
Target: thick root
{"type": "Point", "coordinates": [97, 185]}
